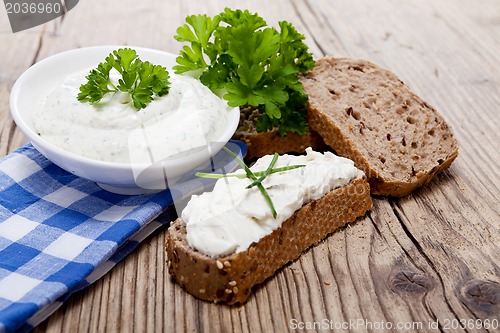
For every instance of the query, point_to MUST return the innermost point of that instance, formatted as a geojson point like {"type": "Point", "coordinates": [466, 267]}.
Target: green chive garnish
{"type": "Point", "coordinates": [253, 175]}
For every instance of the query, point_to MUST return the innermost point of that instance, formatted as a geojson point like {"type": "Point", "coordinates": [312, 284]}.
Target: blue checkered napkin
{"type": "Point", "coordinates": [59, 232]}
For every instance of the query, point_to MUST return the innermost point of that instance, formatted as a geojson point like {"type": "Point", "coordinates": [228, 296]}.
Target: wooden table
{"type": "Point", "coordinates": [423, 262]}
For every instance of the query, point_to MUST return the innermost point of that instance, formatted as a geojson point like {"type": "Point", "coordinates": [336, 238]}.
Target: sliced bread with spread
{"type": "Point", "coordinates": [227, 241]}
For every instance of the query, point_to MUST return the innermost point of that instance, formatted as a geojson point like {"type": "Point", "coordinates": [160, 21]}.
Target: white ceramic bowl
{"type": "Point", "coordinates": [122, 178]}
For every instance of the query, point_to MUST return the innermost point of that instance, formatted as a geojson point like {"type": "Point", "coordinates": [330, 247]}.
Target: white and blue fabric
{"type": "Point", "coordinates": [59, 233]}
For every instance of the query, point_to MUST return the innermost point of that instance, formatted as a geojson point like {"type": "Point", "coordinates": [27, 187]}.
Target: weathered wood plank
{"type": "Point", "coordinates": [18, 52]}
{"type": "Point", "coordinates": [430, 256]}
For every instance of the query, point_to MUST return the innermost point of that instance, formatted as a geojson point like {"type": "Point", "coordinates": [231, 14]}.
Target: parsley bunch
{"type": "Point", "coordinates": [253, 64]}
{"type": "Point", "coordinates": [140, 79]}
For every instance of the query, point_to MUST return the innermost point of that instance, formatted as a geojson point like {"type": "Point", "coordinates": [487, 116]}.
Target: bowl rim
{"type": "Point", "coordinates": [37, 140]}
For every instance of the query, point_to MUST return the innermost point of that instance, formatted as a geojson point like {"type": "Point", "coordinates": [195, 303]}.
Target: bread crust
{"type": "Point", "coordinates": [270, 142]}
{"type": "Point", "coordinates": [230, 279]}
{"type": "Point", "coordinates": [367, 114]}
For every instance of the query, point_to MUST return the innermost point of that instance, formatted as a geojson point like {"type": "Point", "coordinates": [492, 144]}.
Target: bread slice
{"type": "Point", "coordinates": [266, 143]}
{"type": "Point", "coordinates": [367, 114]}
{"type": "Point", "coordinates": [230, 279]}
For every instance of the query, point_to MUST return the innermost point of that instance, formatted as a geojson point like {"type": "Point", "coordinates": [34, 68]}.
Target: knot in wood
{"type": "Point", "coordinates": [483, 295]}
{"type": "Point", "coordinates": [411, 282]}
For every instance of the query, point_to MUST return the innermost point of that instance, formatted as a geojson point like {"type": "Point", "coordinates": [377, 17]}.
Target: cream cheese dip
{"type": "Point", "coordinates": [231, 217]}
{"type": "Point", "coordinates": [188, 117]}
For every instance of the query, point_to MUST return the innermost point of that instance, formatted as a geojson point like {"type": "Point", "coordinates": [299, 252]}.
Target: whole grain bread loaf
{"type": "Point", "coordinates": [266, 143]}
{"type": "Point", "coordinates": [230, 279]}
{"type": "Point", "coordinates": [367, 114]}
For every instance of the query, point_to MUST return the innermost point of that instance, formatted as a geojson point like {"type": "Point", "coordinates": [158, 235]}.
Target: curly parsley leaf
{"type": "Point", "coordinates": [98, 84]}
{"type": "Point", "coordinates": [142, 80]}
{"type": "Point", "coordinates": [255, 65]}
{"type": "Point", "coordinates": [199, 34]}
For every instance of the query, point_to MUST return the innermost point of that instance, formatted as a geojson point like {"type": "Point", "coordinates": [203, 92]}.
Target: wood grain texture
{"type": "Point", "coordinates": [431, 256]}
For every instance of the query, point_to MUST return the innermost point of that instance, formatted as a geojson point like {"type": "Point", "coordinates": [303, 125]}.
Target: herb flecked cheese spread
{"type": "Point", "coordinates": [231, 217]}
{"type": "Point", "coordinates": [188, 117]}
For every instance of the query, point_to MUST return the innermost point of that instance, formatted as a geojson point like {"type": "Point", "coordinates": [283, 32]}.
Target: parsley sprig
{"type": "Point", "coordinates": [253, 64]}
{"type": "Point", "coordinates": [253, 175]}
{"type": "Point", "coordinates": [142, 80]}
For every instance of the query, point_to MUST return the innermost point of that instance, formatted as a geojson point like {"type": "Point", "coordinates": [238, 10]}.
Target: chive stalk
{"type": "Point", "coordinates": [253, 175]}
